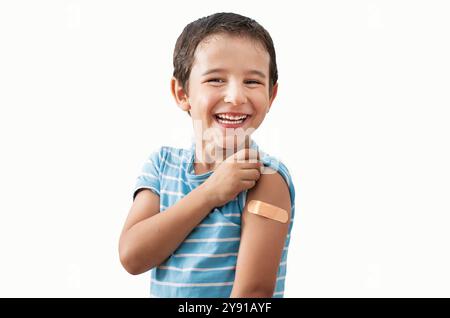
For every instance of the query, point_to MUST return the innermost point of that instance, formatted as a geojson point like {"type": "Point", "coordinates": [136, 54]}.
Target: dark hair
{"type": "Point", "coordinates": [229, 23]}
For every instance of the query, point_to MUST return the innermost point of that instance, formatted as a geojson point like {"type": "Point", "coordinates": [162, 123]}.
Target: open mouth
{"type": "Point", "coordinates": [231, 121]}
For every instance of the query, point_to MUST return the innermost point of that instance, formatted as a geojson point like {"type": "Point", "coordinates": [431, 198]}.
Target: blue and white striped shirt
{"type": "Point", "coordinates": [204, 264]}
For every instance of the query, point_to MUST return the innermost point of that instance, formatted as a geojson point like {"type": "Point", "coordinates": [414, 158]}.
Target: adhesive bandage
{"type": "Point", "coordinates": [268, 210]}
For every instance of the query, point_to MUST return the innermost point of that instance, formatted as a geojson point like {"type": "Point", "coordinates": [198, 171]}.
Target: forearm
{"type": "Point", "coordinates": [151, 241]}
{"type": "Point", "coordinates": [255, 293]}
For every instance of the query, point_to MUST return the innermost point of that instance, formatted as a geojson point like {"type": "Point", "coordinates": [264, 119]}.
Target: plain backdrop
{"type": "Point", "coordinates": [361, 120]}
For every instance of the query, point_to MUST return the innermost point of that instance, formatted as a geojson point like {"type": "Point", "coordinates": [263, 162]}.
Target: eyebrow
{"type": "Point", "coordinates": [218, 70]}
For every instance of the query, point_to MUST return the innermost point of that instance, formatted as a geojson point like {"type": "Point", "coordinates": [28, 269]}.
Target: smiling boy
{"type": "Point", "coordinates": [190, 220]}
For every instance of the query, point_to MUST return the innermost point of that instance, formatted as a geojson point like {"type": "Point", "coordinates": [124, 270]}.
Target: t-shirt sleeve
{"type": "Point", "coordinates": [150, 174]}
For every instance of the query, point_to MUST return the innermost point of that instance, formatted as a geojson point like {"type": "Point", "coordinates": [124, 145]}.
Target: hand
{"type": "Point", "coordinates": [237, 173]}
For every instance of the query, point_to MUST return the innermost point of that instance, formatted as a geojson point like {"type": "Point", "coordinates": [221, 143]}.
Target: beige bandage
{"type": "Point", "coordinates": [268, 210]}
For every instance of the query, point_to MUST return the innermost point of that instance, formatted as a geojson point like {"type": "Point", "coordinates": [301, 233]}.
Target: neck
{"type": "Point", "coordinates": [208, 155]}
{"type": "Point", "coordinates": [207, 158]}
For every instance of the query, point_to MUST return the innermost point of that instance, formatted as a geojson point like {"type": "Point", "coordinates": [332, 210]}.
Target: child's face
{"type": "Point", "coordinates": [230, 75]}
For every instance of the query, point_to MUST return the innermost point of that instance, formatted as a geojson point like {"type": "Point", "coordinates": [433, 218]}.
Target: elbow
{"type": "Point", "coordinates": [130, 261]}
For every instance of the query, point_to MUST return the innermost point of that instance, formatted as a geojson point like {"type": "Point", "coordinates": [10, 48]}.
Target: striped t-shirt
{"type": "Point", "coordinates": [204, 264]}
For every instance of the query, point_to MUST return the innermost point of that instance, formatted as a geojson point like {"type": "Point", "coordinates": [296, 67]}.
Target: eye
{"type": "Point", "coordinates": [253, 82]}
{"type": "Point", "coordinates": [215, 80]}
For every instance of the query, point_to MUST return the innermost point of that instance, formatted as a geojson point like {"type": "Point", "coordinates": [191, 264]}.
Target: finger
{"type": "Point", "coordinates": [249, 165]}
{"type": "Point", "coordinates": [248, 184]}
{"type": "Point", "coordinates": [246, 155]}
{"type": "Point", "coordinates": [244, 165]}
{"type": "Point", "coordinates": [250, 174]}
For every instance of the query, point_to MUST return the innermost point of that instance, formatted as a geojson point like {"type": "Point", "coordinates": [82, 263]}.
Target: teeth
{"type": "Point", "coordinates": [223, 121]}
{"type": "Point", "coordinates": [228, 117]}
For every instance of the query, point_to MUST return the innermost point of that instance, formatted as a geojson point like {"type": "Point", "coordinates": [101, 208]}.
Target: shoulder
{"type": "Point", "coordinates": [275, 185]}
{"type": "Point", "coordinates": [166, 154]}
{"type": "Point", "coordinates": [276, 176]}
{"type": "Point", "coordinates": [173, 154]}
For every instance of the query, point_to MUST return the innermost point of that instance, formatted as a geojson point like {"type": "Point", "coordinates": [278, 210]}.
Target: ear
{"type": "Point", "coordinates": [179, 94]}
{"type": "Point", "coordinates": [274, 94]}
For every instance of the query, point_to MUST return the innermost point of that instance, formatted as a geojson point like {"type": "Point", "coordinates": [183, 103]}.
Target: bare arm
{"type": "Point", "coordinates": [149, 237]}
{"type": "Point", "coordinates": [262, 240]}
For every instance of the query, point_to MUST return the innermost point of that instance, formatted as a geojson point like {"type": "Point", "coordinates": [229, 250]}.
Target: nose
{"type": "Point", "coordinates": [235, 94]}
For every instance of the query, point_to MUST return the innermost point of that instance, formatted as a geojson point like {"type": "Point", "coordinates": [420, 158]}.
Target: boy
{"type": "Point", "coordinates": [190, 220]}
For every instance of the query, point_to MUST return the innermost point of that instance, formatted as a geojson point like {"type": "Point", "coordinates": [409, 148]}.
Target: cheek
{"type": "Point", "coordinates": [260, 100]}
{"type": "Point", "coordinates": [208, 100]}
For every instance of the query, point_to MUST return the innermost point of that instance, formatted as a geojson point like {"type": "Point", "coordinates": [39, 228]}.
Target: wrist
{"type": "Point", "coordinates": [206, 196]}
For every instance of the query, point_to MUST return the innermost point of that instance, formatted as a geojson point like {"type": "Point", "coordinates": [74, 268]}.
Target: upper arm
{"type": "Point", "coordinates": [145, 205]}
{"type": "Point", "coordinates": [262, 239]}
{"type": "Point", "coordinates": [146, 191]}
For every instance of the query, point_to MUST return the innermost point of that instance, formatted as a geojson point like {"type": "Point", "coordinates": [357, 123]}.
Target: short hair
{"type": "Point", "coordinates": [224, 22]}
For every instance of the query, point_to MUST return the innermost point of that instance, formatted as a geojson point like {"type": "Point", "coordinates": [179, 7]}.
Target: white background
{"type": "Point", "coordinates": [361, 120]}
